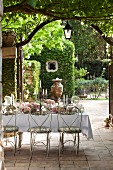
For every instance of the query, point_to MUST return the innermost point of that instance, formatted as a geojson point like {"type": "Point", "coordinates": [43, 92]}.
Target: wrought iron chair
{"type": "Point", "coordinates": [9, 125]}
{"type": "Point", "coordinates": [69, 122]}
{"type": "Point", "coordinates": [40, 123]}
{"type": "Point", "coordinates": [75, 100]}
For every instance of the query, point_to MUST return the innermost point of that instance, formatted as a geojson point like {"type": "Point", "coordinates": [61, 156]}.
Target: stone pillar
{"type": "Point", "coordinates": [1, 148]}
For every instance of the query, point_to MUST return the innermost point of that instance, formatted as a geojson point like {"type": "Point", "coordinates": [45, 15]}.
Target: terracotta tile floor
{"type": "Point", "coordinates": [94, 154]}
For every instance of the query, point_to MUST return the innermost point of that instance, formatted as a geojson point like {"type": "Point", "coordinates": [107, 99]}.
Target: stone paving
{"type": "Point", "coordinates": [94, 154]}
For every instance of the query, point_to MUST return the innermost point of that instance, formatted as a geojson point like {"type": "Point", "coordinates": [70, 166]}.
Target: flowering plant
{"type": "Point", "coordinates": [27, 107]}
{"type": "Point", "coordinates": [9, 109]}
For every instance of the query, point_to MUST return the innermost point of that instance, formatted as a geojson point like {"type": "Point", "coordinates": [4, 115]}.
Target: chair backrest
{"type": "Point", "coordinates": [9, 115]}
{"type": "Point", "coordinates": [75, 99]}
{"type": "Point", "coordinates": [36, 119]}
{"type": "Point", "coordinates": [70, 118]}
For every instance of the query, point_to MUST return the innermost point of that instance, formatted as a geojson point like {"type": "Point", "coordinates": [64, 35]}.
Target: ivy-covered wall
{"type": "Point", "coordinates": [31, 79]}
{"type": "Point", "coordinates": [8, 76]}
{"type": "Point", "coordinates": [65, 59]}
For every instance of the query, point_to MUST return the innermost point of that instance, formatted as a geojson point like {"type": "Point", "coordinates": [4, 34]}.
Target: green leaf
{"type": "Point", "coordinates": [32, 3]}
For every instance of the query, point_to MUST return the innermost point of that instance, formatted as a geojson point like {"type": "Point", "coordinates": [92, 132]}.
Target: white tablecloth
{"type": "Point", "coordinates": [23, 123]}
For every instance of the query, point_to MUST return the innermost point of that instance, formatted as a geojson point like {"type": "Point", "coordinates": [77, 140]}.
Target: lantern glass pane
{"type": "Point", "coordinates": [68, 34]}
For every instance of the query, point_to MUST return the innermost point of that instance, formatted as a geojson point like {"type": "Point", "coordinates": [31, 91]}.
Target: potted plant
{"type": "Point", "coordinates": [107, 121]}
{"type": "Point", "coordinates": [8, 38]}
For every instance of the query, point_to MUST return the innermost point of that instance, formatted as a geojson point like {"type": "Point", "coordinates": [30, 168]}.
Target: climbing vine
{"type": "Point", "coordinates": [65, 59]}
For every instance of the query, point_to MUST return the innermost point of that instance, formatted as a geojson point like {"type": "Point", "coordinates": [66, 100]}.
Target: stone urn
{"type": "Point", "coordinates": [8, 38]}
{"type": "Point", "coordinates": [57, 89]}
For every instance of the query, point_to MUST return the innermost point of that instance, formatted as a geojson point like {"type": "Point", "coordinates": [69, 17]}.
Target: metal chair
{"type": "Point", "coordinates": [69, 122]}
{"type": "Point", "coordinates": [75, 100]}
{"type": "Point", "coordinates": [9, 125]}
{"type": "Point", "coordinates": [39, 123]}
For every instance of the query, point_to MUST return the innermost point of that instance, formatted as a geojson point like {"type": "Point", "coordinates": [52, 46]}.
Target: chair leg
{"type": "Point", "coordinates": [7, 139]}
{"type": "Point", "coordinates": [48, 145]}
{"type": "Point", "coordinates": [77, 150]}
{"type": "Point", "coordinates": [20, 134]}
{"type": "Point", "coordinates": [15, 141]}
{"type": "Point", "coordinates": [12, 143]}
{"type": "Point", "coordinates": [31, 142]}
{"type": "Point", "coordinates": [75, 139]}
{"type": "Point", "coordinates": [49, 142]}
{"type": "Point", "coordinates": [60, 144]}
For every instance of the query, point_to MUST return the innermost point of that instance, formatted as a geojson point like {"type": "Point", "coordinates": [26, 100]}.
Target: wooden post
{"type": "Point", "coordinates": [111, 84]}
{"type": "Point", "coordinates": [18, 81]}
{"type": "Point", "coordinates": [21, 74]}
{"type": "Point", "coordinates": [1, 132]}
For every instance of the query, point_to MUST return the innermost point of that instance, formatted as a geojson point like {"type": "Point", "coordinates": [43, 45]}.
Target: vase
{"type": "Point", "coordinates": [8, 38]}
{"type": "Point", "coordinates": [57, 89]}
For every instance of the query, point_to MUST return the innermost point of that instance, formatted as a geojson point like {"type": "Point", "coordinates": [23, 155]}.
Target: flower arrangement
{"type": "Point", "coordinates": [9, 109]}
{"type": "Point", "coordinates": [26, 107]}
{"type": "Point", "coordinates": [34, 107]}
{"type": "Point", "coordinates": [49, 101]}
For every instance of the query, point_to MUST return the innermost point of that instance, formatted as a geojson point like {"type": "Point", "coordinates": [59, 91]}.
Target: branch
{"type": "Point", "coordinates": [107, 39]}
{"type": "Point", "coordinates": [27, 9]}
{"type": "Point", "coordinates": [15, 8]}
{"type": "Point", "coordinates": [38, 27]}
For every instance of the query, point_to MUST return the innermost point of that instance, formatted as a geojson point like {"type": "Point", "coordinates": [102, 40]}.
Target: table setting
{"type": "Point", "coordinates": [27, 114]}
{"type": "Point", "coordinates": [53, 109]}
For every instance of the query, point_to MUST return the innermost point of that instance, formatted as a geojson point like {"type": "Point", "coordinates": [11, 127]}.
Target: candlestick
{"type": "Point", "coordinates": [40, 98]}
{"type": "Point", "coordinates": [12, 99]}
{"type": "Point", "coordinates": [46, 92]}
{"type": "Point", "coordinates": [64, 99]}
{"type": "Point", "coordinates": [43, 92]}
{"type": "Point", "coordinates": [35, 93]}
{"type": "Point", "coordinates": [40, 84]}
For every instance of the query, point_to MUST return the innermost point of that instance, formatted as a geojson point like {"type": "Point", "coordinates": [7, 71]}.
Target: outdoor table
{"type": "Point", "coordinates": [23, 123]}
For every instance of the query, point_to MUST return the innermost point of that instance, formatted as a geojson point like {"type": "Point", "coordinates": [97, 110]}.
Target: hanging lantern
{"type": "Point", "coordinates": [67, 31]}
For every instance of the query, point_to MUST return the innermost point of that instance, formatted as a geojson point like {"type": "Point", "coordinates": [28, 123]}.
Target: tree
{"type": "Point", "coordinates": [51, 36]}
{"type": "Point", "coordinates": [97, 14]}
{"type": "Point", "coordinates": [90, 48]}
{"type": "Point", "coordinates": [89, 45]}
{"type": "Point", "coordinates": [81, 10]}
{"type": "Point", "coordinates": [26, 27]}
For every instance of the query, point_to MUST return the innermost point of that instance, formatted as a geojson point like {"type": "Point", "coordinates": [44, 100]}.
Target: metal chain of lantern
{"type": "Point", "coordinates": [67, 31]}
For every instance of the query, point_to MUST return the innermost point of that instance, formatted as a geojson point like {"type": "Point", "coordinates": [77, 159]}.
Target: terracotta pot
{"type": "Point", "coordinates": [8, 38]}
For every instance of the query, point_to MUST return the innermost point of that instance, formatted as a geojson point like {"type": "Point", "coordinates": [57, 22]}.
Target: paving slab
{"type": "Point", "coordinates": [94, 154]}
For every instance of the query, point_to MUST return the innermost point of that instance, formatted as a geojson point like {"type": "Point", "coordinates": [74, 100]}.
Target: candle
{"type": "Point", "coordinates": [43, 91]}
{"type": "Point", "coordinates": [40, 84]}
{"type": "Point", "coordinates": [64, 99]}
{"type": "Point", "coordinates": [46, 92]}
{"type": "Point", "coordinates": [35, 93]}
{"type": "Point", "coordinates": [12, 98]}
